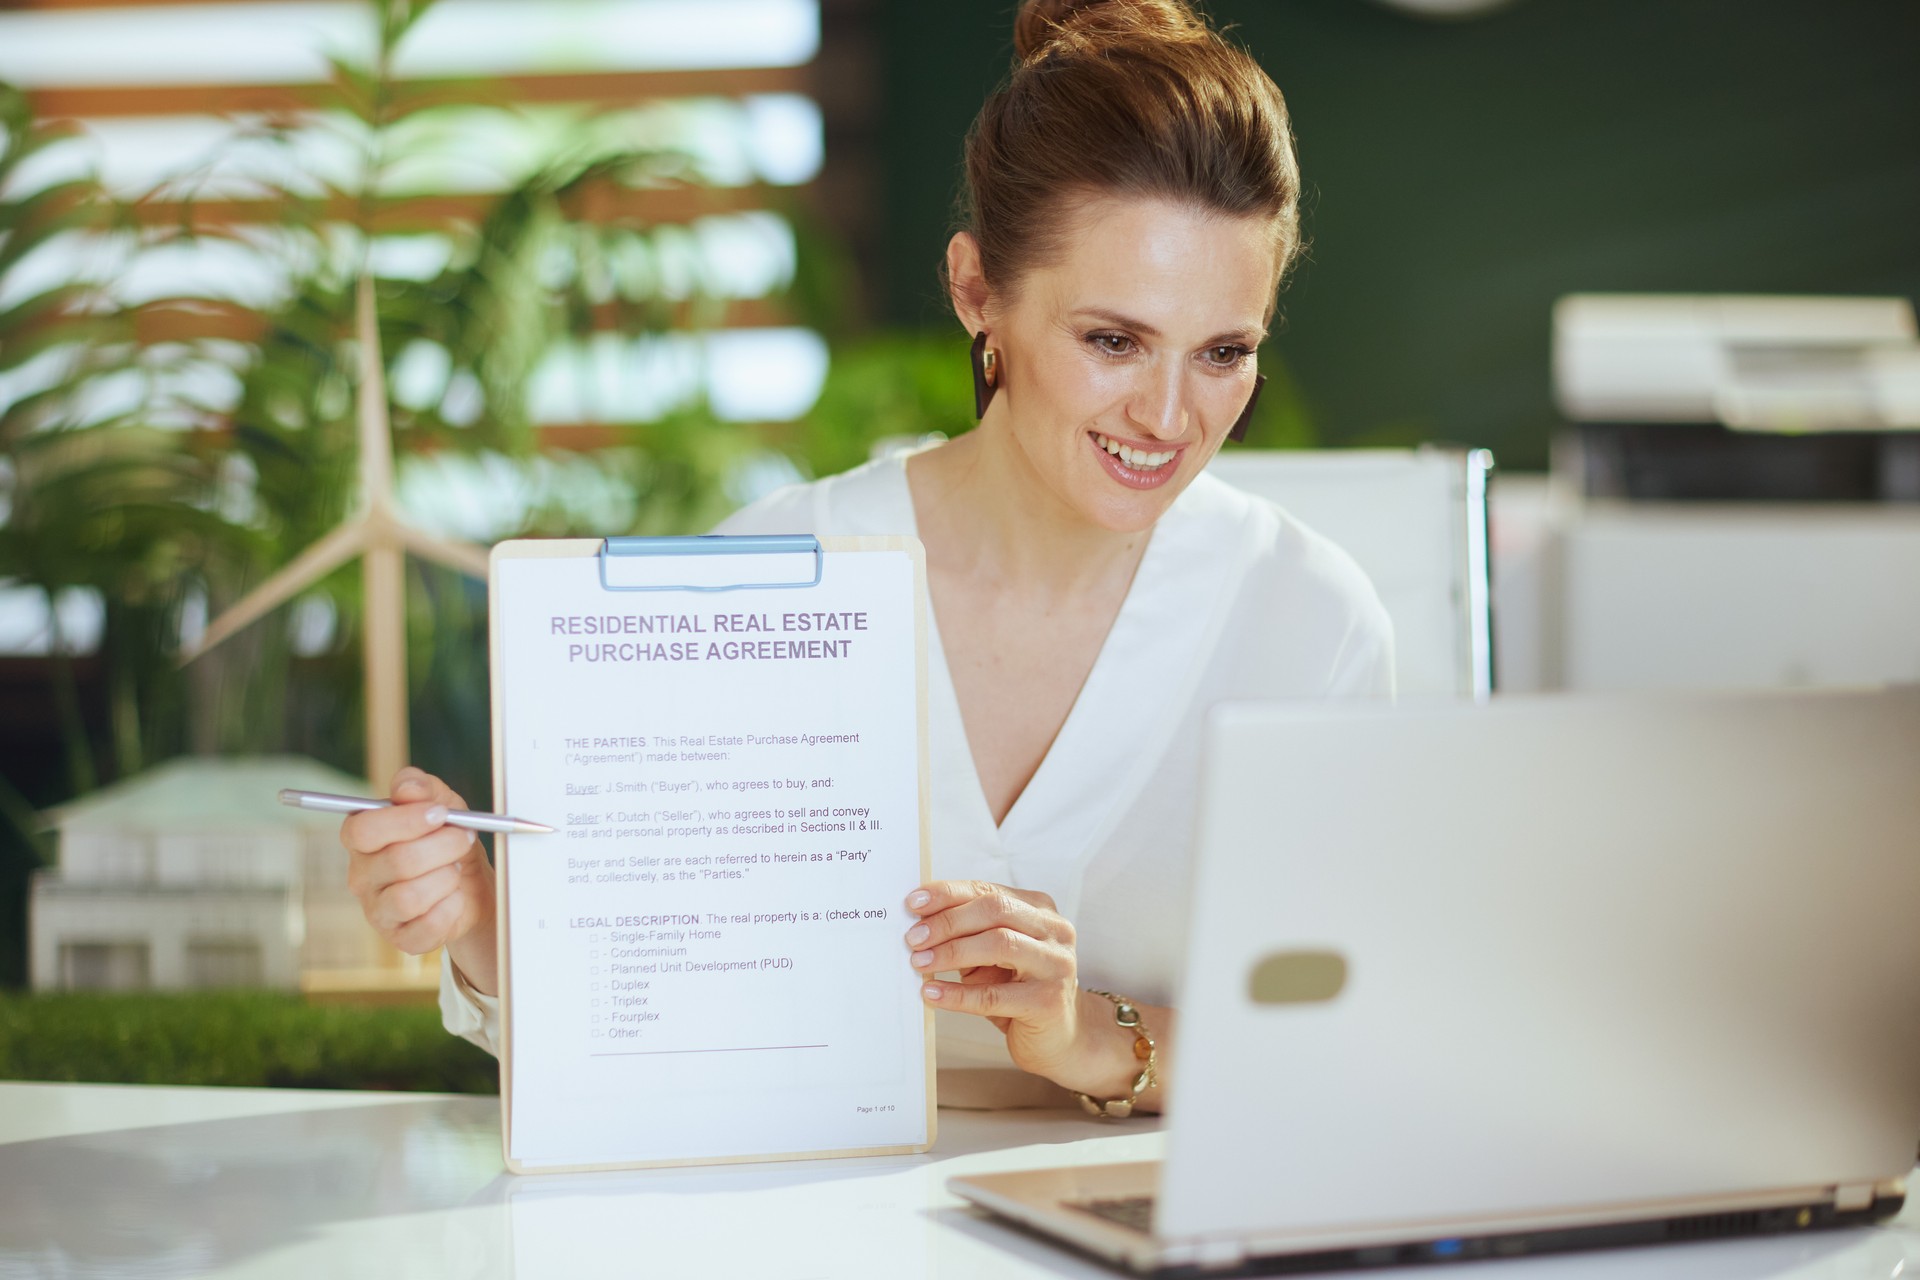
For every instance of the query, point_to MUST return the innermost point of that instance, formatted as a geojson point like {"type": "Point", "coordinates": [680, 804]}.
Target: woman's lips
{"type": "Point", "coordinates": [1136, 477]}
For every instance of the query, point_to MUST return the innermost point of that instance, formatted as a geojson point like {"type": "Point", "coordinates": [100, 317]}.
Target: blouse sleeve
{"type": "Point", "coordinates": [1364, 667]}
{"type": "Point", "coordinates": [465, 1011]}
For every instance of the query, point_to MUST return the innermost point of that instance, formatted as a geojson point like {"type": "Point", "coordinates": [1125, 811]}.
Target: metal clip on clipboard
{"type": "Point", "coordinates": [711, 562]}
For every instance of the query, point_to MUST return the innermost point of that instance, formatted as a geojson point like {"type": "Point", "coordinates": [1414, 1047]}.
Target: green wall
{"type": "Point", "coordinates": [1461, 176]}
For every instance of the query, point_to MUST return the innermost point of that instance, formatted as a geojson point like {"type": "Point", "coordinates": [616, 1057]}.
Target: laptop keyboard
{"type": "Point", "coordinates": [1129, 1211]}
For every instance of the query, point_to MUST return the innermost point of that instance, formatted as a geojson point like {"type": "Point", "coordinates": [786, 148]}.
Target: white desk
{"type": "Point", "coordinates": [117, 1181]}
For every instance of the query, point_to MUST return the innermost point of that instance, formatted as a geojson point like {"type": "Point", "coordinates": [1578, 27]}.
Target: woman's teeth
{"type": "Point", "coordinates": [1138, 459]}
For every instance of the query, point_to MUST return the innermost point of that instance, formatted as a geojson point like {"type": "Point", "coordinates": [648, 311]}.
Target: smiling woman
{"type": "Point", "coordinates": [1131, 208]}
{"type": "Point", "coordinates": [1129, 351]}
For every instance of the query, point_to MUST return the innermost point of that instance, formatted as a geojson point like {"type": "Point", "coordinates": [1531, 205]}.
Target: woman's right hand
{"type": "Point", "coordinates": [421, 883]}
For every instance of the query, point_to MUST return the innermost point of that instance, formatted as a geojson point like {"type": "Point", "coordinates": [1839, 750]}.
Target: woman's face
{"type": "Point", "coordinates": [1126, 359]}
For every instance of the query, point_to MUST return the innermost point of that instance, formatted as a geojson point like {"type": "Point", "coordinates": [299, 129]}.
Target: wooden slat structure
{"type": "Point", "coordinates": [604, 202]}
{"type": "Point", "coordinates": [596, 89]}
{"type": "Point", "coordinates": [573, 437]}
{"type": "Point", "coordinates": [196, 320]}
{"type": "Point", "coordinates": [841, 80]}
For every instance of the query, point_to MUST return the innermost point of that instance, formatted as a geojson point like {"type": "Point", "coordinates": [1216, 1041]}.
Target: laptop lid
{"type": "Point", "coordinates": [1561, 957]}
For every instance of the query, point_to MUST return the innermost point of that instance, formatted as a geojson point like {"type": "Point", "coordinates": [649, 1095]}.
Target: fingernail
{"type": "Point", "coordinates": [917, 935]}
{"type": "Point", "coordinates": [919, 898]}
{"type": "Point", "coordinates": [921, 959]}
{"type": "Point", "coordinates": [930, 991]}
{"type": "Point", "coordinates": [436, 815]}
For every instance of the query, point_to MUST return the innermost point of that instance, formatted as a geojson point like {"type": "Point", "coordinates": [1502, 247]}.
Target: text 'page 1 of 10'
{"type": "Point", "coordinates": [707, 957]}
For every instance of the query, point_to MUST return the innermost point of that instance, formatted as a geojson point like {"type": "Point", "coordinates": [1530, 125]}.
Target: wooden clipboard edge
{"type": "Point", "coordinates": [695, 1162]}
{"type": "Point", "coordinates": [572, 548]}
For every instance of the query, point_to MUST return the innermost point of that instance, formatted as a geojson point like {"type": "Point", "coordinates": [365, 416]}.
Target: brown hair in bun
{"type": "Point", "coordinates": [1039, 22]}
{"type": "Point", "coordinates": [1124, 97]}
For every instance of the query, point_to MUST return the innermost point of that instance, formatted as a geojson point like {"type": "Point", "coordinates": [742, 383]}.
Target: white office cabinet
{"type": "Point", "coordinates": [1713, 597]}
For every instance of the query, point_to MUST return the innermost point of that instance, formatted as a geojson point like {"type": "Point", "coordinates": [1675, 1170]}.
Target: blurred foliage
{"type": "Point", "coordinates": [118, 475]}
{"type": "Point", "coordinates": [239, 1038]}
{"type": "Point", "coordinates": [93, 497]}
{"type": "Point", "coordinates": [169, 524]}
{"type": "Point", "coordinates": [534, 270]}
{"type": "Point", "coordinates": [881, 385]}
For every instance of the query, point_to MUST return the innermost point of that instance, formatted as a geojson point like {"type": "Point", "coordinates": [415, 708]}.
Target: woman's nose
{"type": "Point", "coordinates": [1159, 406]}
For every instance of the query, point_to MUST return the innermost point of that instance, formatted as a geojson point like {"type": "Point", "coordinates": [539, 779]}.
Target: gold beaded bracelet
{"type": "Point", "coordinates": [1143, 1050]}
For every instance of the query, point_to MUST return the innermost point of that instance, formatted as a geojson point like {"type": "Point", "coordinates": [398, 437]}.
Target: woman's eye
{"type": "Point", "coordinates": [1225, 356]}
{"type": "Point", "coordinates": [1114, 344]}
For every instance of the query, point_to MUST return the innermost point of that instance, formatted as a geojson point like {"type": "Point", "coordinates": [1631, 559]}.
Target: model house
{"type": "Point", "coordinates": [192, 875]}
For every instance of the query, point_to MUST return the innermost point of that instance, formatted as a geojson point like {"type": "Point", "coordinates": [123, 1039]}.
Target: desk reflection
{"type": "Point", "coordinates": [254, 1183]}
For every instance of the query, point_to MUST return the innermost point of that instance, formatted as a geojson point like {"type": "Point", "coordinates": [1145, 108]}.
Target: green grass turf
{"type": "Point", "coordinates": [245, 1038]}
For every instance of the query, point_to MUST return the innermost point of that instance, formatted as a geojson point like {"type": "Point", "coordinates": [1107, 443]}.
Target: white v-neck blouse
{"type": "Point", "coordinates": [1233, 599]}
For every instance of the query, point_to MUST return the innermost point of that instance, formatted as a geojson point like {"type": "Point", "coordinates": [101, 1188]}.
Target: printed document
{"type": "Point", "coordinates": [705, 960]}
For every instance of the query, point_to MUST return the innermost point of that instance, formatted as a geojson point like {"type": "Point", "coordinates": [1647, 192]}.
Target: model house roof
{"type": "Point", "coordinates": [200, 793]}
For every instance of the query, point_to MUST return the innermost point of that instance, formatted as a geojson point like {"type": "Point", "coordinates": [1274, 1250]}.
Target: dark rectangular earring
{"type": "Point", "coordinates": [982, 390]}
{"type": "Point", "coordinates": [1238, 431]}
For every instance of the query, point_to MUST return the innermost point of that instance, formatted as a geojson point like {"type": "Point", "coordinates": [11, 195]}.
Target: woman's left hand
{"type": "Point", "coordinates": [1014, 953]}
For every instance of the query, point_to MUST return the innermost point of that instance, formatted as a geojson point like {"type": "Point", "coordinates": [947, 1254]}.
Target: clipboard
{"type": "Point", "coordinates": [663, 615]}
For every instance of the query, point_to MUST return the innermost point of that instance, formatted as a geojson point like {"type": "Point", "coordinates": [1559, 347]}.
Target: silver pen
{"type": "Point", "coordinates": [472, 821]}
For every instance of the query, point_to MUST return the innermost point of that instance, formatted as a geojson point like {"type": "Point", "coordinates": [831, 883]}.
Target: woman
{"type": "Point", "coordinates": [1133, 206]}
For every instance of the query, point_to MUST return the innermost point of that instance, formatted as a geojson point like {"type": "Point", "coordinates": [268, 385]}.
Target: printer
{"type": "Point", "coordinates": [1739, 398]}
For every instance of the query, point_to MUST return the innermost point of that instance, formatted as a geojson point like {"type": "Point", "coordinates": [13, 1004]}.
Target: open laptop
{"type": "Point", "coordinates": [1551, 973]}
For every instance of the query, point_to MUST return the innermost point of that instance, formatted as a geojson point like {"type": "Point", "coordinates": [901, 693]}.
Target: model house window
{"type": "Point", "coordinates": [104, 966]}
{"type": "Point", "coordinates": [224, 962]}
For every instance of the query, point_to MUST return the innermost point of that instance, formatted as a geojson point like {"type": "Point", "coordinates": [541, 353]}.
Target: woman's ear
{"type": "Point", "coordinates": [967, 282]}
